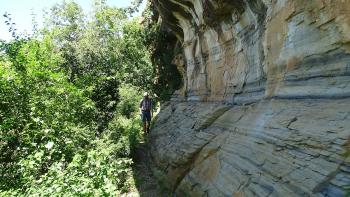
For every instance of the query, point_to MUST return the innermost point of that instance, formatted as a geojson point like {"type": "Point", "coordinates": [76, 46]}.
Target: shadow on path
{"type": "Point", "coordinates": [145, 182]}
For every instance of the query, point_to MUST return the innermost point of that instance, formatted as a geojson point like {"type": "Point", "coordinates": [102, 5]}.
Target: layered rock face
{"type": "Point", "coordinates": [265, 106]}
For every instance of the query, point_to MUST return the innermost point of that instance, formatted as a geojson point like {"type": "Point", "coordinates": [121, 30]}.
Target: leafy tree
{"type": "Point", "coordinates": [137, 68]}
{"type": "Point", "coordinates": [87, 49]}
{"type": "Point", "coordinates": [39, 106]}
{"type": "Point", "coordinates": [80, 75]}
{"type": "Point", "coordinates": [65, 25]}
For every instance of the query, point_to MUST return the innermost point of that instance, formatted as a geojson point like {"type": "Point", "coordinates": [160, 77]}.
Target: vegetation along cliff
{"type": "Point", "coordinates": [264, 107]}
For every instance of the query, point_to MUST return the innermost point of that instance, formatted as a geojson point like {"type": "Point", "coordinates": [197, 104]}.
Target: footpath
{"type": "Point", "coordinates": [146, 184]}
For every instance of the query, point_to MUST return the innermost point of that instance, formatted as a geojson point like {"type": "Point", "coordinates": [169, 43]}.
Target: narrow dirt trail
{"type": "Point", "coordinates": [146, 184]}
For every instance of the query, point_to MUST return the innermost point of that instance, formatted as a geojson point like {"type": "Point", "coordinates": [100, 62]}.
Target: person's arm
{"type": "Point", "coordinates": [151, 109]}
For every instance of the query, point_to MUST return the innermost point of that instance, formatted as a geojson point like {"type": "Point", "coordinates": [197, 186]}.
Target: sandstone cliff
{"type": "Point", "coordinates": [265, 108]}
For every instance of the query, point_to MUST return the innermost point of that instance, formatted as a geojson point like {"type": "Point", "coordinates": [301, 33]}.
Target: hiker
{"type": "Point", "coordinates": [146, 112]}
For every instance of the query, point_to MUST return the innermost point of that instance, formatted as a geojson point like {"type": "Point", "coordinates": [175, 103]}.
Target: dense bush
{"type": "Point", "coordinates": [69, 104]}
{"type": "Point", "coordinates": [48, 130]}
{"type": "Point", "coordinates": [39, 107]}
{"type": "Point", "coordinates": [96, 172]}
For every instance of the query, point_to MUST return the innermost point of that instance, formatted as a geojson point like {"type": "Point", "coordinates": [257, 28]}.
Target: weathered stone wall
{"type": "Point", "coordinates": [265, 106]}
{"type": "Point", "coordinates": [243, 51]}
{"type": "Point", "coordinates": [274, 147]}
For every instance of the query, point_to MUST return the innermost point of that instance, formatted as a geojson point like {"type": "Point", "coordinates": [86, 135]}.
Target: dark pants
{"type": "Point", "coordinates": [146, 116]}
{"type": "Point", "coordinates": [146, 119]}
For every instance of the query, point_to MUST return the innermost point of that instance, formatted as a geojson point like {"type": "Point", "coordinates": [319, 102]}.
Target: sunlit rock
{"type": "Point", "coordinates": [265, 108]}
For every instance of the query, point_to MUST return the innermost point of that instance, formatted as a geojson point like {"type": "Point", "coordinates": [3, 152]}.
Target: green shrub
{"type": "Point", "coordinates": [130, 98]}
{"type": "Point", "coordinates": [97, 172]}
{"type": "Point", "coordinates": [39, 106]}
{"type": "Point", "coordinates": [125, 133]}
{"type": "Point", "coordinates": [58, 91]}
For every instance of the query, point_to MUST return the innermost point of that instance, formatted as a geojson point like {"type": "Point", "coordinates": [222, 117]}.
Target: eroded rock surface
{"type": "Point", "coordinates": [265, 109]}
{"type": "Point", "coordinates": [274, 147]}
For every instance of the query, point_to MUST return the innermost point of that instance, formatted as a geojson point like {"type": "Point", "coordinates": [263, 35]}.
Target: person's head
{"type": "Point", "coordinates": [145, 94]}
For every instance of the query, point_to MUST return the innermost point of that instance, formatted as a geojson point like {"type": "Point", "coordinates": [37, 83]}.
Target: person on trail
{"type": "Point", "coordinates": [146, 112]}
